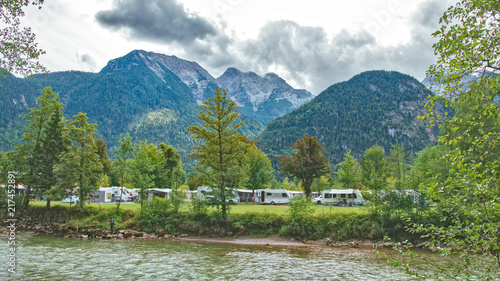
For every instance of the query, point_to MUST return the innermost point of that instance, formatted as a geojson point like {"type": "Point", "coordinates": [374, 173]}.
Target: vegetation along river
{"type": "Point", "coordinates": [41, 257]}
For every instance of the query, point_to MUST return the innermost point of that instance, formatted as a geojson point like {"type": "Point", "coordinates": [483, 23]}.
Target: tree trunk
{"type": "Point", "coordinates": [27, 196]}
{"type": "Point", "coordinates": [307, 188]}
{"type": "Point", "coordinates": [48, 202]}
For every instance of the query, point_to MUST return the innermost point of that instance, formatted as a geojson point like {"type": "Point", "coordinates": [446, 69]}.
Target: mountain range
{"type": "Point", "coordinates": [154, 96]}
{"type": "Point", "coordinates": [149, 95]}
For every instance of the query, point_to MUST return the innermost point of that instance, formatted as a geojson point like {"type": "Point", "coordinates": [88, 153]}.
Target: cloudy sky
{"type": "Point", "coordinates": [311, 44]}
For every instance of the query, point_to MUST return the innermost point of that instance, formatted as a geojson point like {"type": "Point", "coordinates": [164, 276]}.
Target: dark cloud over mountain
{"type": "Point", "coordinates": [306, 56]}
{"type": "Point", "coordinates": [163, 21]}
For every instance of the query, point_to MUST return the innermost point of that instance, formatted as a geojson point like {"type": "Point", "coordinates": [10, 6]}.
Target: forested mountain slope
{"type": "Point", "coordinates": [127, 96]}
{"type": "Point", "coordinates": [374, 107]}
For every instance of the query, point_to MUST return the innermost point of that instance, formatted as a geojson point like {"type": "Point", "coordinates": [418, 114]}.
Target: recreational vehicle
{"type": "Point", "coordinates": [204, 192]}
{"type": "Point", "coordinates": [158, 192]}
{"type": "Point", "coordinates": [297, 194]}
{"type": "Point", "coordinates": [342, 197]}
{"type": "Point", "coordinates": [245, 195]}
{"type": "Point", "coordinates": [273, 196]}
{"type": "Point", "coordinates": [109, 195]}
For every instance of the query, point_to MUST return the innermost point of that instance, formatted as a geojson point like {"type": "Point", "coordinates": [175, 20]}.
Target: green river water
{"type": "Point", "coordinates": [42, 257]}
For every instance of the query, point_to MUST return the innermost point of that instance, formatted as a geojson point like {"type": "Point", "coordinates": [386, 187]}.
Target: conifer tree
{"type": "Point", "coordinates": [80, 166]}
{"type": "Point", "coordinates": [43, 142]}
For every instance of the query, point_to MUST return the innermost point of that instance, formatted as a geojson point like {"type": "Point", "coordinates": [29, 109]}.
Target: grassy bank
{"type": "Point", "coordinates": [319, 222]}
{"type": "Point", "coordinates": [235, 209]}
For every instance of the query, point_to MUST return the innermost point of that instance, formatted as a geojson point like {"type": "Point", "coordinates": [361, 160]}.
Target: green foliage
{"type": "Point", "coordinates": [221, 154]}
{"type": "Point", "coordinates": [308, 163]}
{"type": "Point", "coordinates": [155, 214]}
{"type": "Point", "coordinates": [374, 168]}
{"type": "Point", "coordinates": [430, 168]}
{"type": "Point", "coordinates": [18, 52]}
{"type": "Point", "coordinates": [44, 141]}
{"type": "Point", "coordinates": [257, 169]}
{"type": "Point", "coordinates": [299, 213]}
{"type": "Point", "coordinates": [374, 107]}
{"type": "Point", "coordinates": [145, 167]}
{"type": "Point", "coordinates": [80, 166]}
{"type": "Point", "coordinates": [348, 174]}
{"type": "Point", "coordinates": [199, 206]}
{"type": "Point", "coordinates": [467, 200]}
{"type": "Point", "coordinates": [123, 155]}
{"type": "Point", "coordinates": [399, 165]}
{"type": "Point", "coordinates": [468, 43]}
{"type": "Point", "coordinates": [321, 183]}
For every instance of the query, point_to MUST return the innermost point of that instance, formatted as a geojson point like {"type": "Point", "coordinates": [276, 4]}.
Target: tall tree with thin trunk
{"type": "Point", "coordinates": [308, 163]}
{"type": "Point", "coordinates": [54, 143]}
{"type": "Point", "coordinates": [123, 153]}
{"type": "Point", "coordinates": [221, 154]}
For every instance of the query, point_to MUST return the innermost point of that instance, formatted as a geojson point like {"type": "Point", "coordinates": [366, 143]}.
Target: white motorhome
{"type": "Point", "coordinates": [110, 195]}
{"type": "Point", "coordinates": [342, 197]}
{"type": "Point", "coordinates": [203, 192]}
{"type": "Point", "coordinates": [273, 196]}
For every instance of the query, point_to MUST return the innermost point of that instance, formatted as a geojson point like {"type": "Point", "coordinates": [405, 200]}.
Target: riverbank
{"type": "Point", "coordinates": [334, 230]}
{"type": "Point", "coordinates": [75, 232]}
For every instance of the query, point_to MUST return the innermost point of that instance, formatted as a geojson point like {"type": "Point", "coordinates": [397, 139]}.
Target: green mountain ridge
{"type": "Point", "coordinates": [374, 107]}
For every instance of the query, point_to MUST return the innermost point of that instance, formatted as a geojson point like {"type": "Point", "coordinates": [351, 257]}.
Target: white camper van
{"type": "Point", "coordinates": [230, 198]}
{"type": "Point", "coordinates": [273, 196]}
{"type": "Point", "coordinates": [111, 194]}
{"type": "Point", "coordinates": [342, 197]}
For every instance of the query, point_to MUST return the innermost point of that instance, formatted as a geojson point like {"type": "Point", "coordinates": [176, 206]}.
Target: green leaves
{"type": "Point", "coordinates": [308, 163]}
{"type": "Point", "coordinates": [222, 150]}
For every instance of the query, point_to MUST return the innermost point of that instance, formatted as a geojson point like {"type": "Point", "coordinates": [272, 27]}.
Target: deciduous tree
{"type": "Point", "coordinates": [258, 169]}
{"type": "Point", "coordinates": [468, 201]}
{"type": "Point", "coordinates": [222, 151]}
{"type": "Point", "coordinates": [123, 154]}
{"type": "Point", "coordinates": [348, 174]}
{"type": "Point", "coordinates": [308, 163]}
{"type": "Point", "coordinates": [374, 168]}
{"type": "Point", "coordinates": [19, 52]}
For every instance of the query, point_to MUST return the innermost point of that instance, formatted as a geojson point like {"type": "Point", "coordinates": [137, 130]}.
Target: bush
{"type": "Point", "coordinates": [300, 219]}
{"type": "Point", "coordinates": [155, 214]}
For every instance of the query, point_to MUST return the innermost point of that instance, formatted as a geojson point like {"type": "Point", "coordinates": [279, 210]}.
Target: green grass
{"type": "Point", "coordinates": [241, 208]}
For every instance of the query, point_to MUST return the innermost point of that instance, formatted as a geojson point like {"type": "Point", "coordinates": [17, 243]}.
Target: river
{"type": "Point", "coordinates": [42, 257]}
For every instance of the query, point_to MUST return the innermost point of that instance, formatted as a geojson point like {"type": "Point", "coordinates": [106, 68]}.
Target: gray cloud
{"type": "Point", "coordinates": [87, 61]}
{"type": "Point", "coordinates": [307, 57]}
{"type": "Point", "coordinates": [164, 21]}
